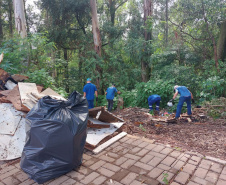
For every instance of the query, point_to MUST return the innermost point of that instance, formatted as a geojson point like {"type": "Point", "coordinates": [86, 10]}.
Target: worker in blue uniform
{"type": "Point", "coordinates": [88, 92]}
{"type": "Point", "coordinates": [185, 96]}
{"type": "Point", "coordinates": [110, 94]}
{"type": "Point", "coordinates": [154, 99]}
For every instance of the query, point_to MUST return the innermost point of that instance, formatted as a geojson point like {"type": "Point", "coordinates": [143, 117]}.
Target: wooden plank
{"type": "Point", "coordinates": [109, 142]}
{"type": "Point", "coordinates": [24, 89]}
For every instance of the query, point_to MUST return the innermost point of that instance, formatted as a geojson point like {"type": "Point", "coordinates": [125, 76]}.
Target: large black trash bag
{"type": "Point", "coordinates": [56, 139]}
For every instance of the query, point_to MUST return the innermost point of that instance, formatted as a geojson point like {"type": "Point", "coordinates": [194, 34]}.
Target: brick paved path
{"type": "Point", "coordinates": [133, 161]}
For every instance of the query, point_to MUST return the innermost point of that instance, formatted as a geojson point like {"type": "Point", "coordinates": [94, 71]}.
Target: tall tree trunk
{"type": "Point", "coordinates": [166, 25]}
{"type": "Point", "coordinates": [211, 37]}
{"type": "Point", "coordinates": [66, 71]}
{"type": "Point", "coordinates": [96, 39]}
{"type": "Point", "coordinates": [10, 5]}
{"type": "Point", "coordinates": [26, 18]}
{"type": "Point", "coordinates": [147, 36]}
{"type": "Point", "coordinates": [20, 21]}
{"type": "Point", "coordinates": [1, 26]}
{"type": "Point", "coordinates": [221, 45]}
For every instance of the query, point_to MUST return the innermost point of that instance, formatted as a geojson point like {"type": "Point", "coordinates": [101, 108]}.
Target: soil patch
{"type": "Point", "coordinates": [207, 137]}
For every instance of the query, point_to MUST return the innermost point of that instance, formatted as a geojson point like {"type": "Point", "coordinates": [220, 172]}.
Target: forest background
{"type": "Point", "coordinates": [145, 46]}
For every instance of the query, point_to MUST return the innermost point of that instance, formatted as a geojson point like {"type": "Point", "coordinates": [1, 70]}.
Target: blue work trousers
{"type": "Point", "coordinates": [183, 99]}
{"type": "Point", "coordinates": [157, 103]}
{"type": "Point", "coordinates": [90, 104]}
{"type": "Point", "coordinates": [110, 104]}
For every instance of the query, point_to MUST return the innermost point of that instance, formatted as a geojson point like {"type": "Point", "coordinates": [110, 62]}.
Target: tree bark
{"type": "Point", "coordinates": [1, 26]}
{"type": "Point", "coordinates": [221, 45]}
{"type": "Point", "coordinates": [66, 71]}
{"type": "Point", "coordinates": [147, 36]}
{"type": "Point", "coordinates": [10, 18]}
{"type": "Point", "coordinates": [20, 21]}
{"type": "Point", "coordinates": [166, 25]}
{"type": "Point", "coordinates": [96, 39]}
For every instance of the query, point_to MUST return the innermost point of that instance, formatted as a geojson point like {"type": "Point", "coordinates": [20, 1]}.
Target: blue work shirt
{"type": "Point", "coordinates": [153, 98]}
{"type": "Point", "coordinates": [111, 93]}
{"type": "Point", "coordinates": [89, 89]}
{"type": "Point", "coordinates": [183, 91]}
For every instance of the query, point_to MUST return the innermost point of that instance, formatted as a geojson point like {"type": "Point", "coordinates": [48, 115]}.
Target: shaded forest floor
{"type": "Point", "coordinates": [206, 137]}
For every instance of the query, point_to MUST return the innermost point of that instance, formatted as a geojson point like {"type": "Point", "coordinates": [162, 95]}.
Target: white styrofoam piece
{"type": "Point", "coordinates": [9, 118]}
{"type": "Point", "coordinates": [11, 147]}
{"type": "Point", "coordinates": [10, 85]}
{"type": "Point", "coordinates": [94, 136]}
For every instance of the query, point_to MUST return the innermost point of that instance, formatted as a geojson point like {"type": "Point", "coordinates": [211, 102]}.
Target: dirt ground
{"type": "Point", "coordinates": [207, 136]}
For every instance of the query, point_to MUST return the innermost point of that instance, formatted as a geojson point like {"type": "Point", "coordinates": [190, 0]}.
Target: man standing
{"type": "Point", "coordinates": [185, 96]}
{"type": "Point", "coordinates": [89, 89]}
{"type": "Point", "coordinates": [110, 94]}
{"type": "Point", "coordinates": [154, 99]}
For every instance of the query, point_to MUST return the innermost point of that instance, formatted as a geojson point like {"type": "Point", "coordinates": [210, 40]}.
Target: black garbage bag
{"type": "Point", "coordinates": [56, 139]}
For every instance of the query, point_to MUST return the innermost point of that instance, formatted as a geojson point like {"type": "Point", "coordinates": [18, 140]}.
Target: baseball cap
{"type": "Point", "coordinates": [88, 79]}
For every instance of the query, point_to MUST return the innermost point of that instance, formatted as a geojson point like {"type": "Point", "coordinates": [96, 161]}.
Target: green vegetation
{"type": "Point", "coordinates": [182, 46]}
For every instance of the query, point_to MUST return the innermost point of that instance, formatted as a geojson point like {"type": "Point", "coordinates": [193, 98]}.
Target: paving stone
{"type": "Point", "coordinates": [90, 162]}
{"type": "Point", "coordinates": [123, 151]}
{"type": "Point", "coordinates": [26, 182]}
{"type": "Point", "coordinates": [183, 158]}
{"type": "Point", "coordinates": [182, 177]}
{"type": "Point", "coordinates": [124, 139]}
{"type": "Point", "coordinates": [129, 178]}
{"type": "Point", "coordinates": [138, 170]}
{"type": "Point", "coordinates": [6, 169]}
{"type": "Point", "coordinates": [156, 154]}
{"type": "Point", "coordinates": [143, 144]}
{"type": "Point", "coordinates": [212, 176]}
{"type": "Point", "coordinates": [205, 164]}
{"type": "Point", "coordinates": [69, 182]}
{"type": "Point", "coordinates": [165, 177]}
{"type": "Point", "coordinates": [111, 167]}
{"type": "Point", "coordinates": [130, 141]}
{"type": "Point", "coordinates": [99, 180]}
{"type": "Point", "coordinates": [135, 182]}
{"type": "Point", "coordinates": [100, 154]}
{"type": "Point", "coordinates": [146, 158]}
{"type": "Point", "coordinates": [21, 176]}
{"type": "Point", "coordinates": [158, 148]}
{"type": "Point", "coordinates": [128, 163]}
{"type": "Point", "coordinates": [194, 160]}
{"type": "Point", "coordinates": [105, 172]}
{"type": "Point", "coordinates": [118, 176]}
{"type": "Point", "coordinates": [178, 165]}
{"type": "Point", "coordinates": [59, 180]}
{"type": "Point", "coordinates": [9, 173]}
{"type": "Point", "coordinates": [224, 170]}
{"type": "Point", "coordinates": [11, 181]}
{"type": "Point", "coordinates": [147, 180]}
{"type": "Point", "coordinates": [137, 142]}
{"type": "Point", "coordinates": [114, 145]}
{"type": "Point", "coordinates": [127, 146]}
{"type": "Point", "coordinates": [142, 152]}
{"type": "Point", "coordinates": [75, 175]}
{"type": "Point", "coordinates": [155, 161]}
{"type": "Point", "coordinates": [89, 178]}
{"type": "Point", "coordinates": [144, 166]}
{"type": "Point", "coordinates": [134, 157]}
{"type": "Point", "coordinates": [107, 158]}
{"type": "Point", "coordinates": [117, 149]}
{"type": "Point", "coordinates": [168, 161]}
{"type": "Point", "coordinates": [223, 177]}
{"type": "Point", "coordinates": [112, 182]}
{"type": "Point", "coordinates": [86, 157]}
{"type": "Point", "coordinates": [166, 151]}
{"type": "Point", "coordinates": [84, 170]}
{"type": "Point", "coordinates": [17, 165]}
{"type": "Point", "coordinates": [221, 182]}
{"type": "Point", "coordinates": [97, 165]}
{"type": "Point", "coordinates": [113, 155]}
{"type": "Point", "coordinates": [135, 150]}
{"type": "Point", "coordinates": [200, 181]}
{"type": "Point", "coordinates": [163, 166]}
{"type": "Point", "coordinates": [150, 146]}
{"type": "Point", "coordinates": [156, 172]}
{"type": "Point", "coordinates": [121, 160]}
{"type": "Point", "coordinates": [192, 183]}
{"type": "Point", "coordinates": [216, 167]}
{"type": "Point", "coordinates": [174, 183]}
{"type": "Point", "coordinates": [189, 168]}
{"type": "Point", "coordinates": [175, 154]}
{"type": "Point", "coordinates": [201, 173]}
